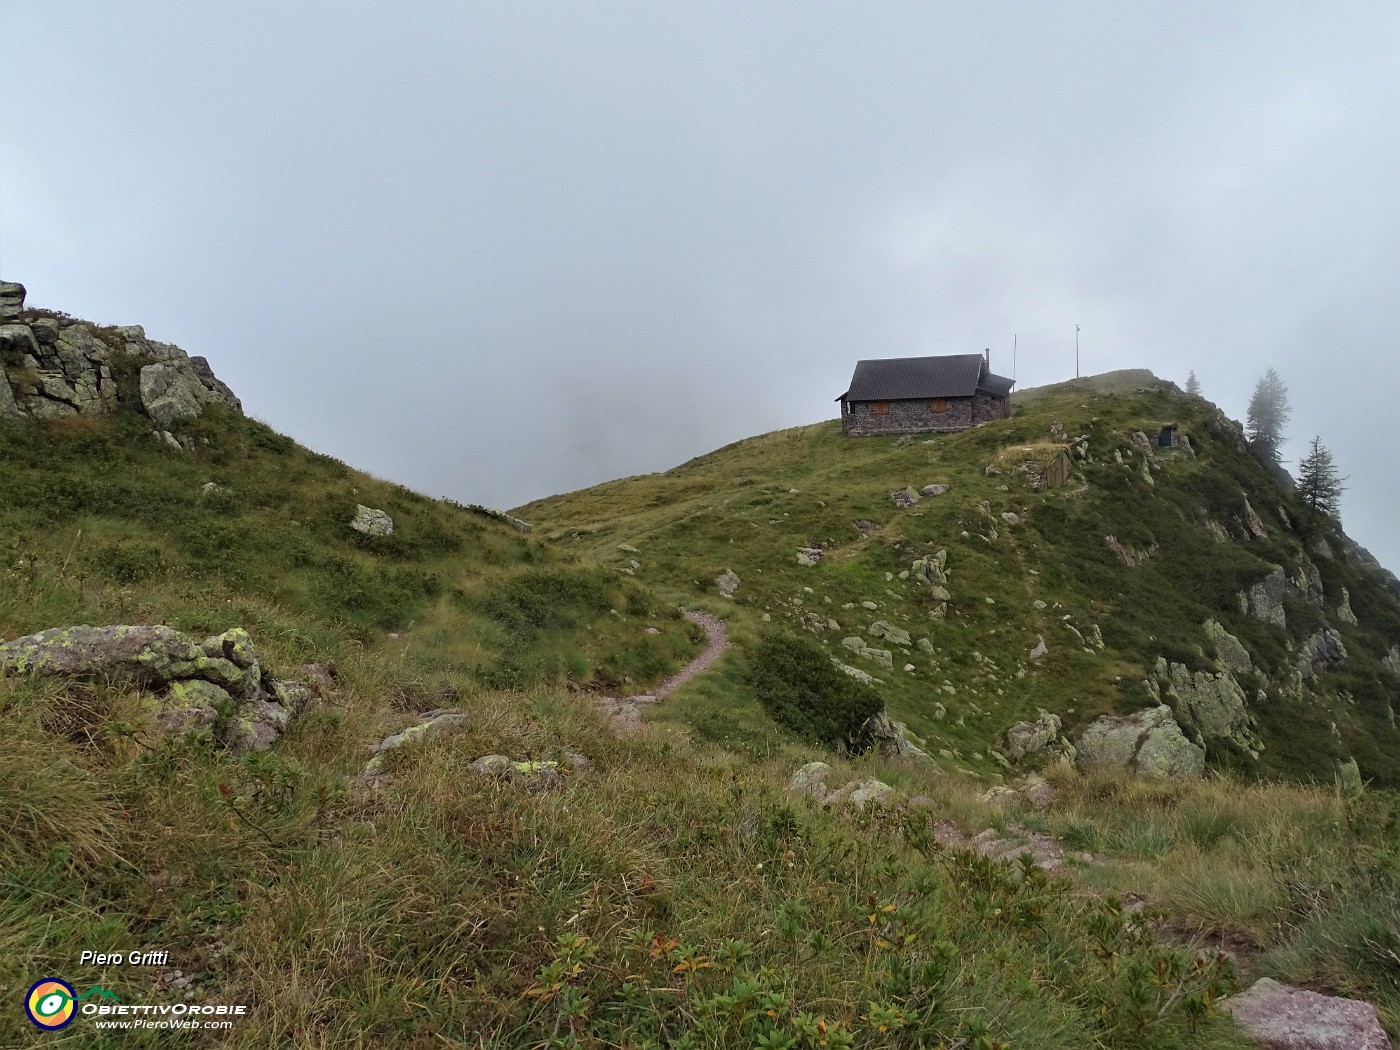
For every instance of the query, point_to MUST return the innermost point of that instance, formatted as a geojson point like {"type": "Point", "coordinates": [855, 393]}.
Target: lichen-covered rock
{"type": "Point", "coordinates": [1230, 654]}
{"type": "Point", "coordinates": [169, 396]}
{"type": "Point", "coordinates": [1285, 1018]}
{"type": "Point", "coordinates": [535, 774]}
{"type": "Point", "coordinates": [1213, 704]}
{"type": "Point", "coordinates": [810, 780]}
{"type": "Point", "coordinates": [153, 655]}
{"type": "Point", "coordinates": [888, 631]}
{"type": "Point", "coordinates": [372, 522]}
{"type": "Point", "coordinates": [1265, 598]}
{"type": "Point", "coordinates": [1029, 738]}
{"type": "Point", "coordinates": [1148, 744]}
{"type": "Point", "coordinates": [1344, 610]}
{"type": "Point", "coordinates": [256, 726]}
{"type": "Point", "coordinates": [728, 582]}
{"type": "Point", "coordinates": [11, 299]}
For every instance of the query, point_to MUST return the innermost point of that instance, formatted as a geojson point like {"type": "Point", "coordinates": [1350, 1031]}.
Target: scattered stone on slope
{"type": "Point", "coordinates": [531, 774]}
{"type": "Point", "coordinates": [1148, 744]}
{"type": "Point", "coordinates": [933, 490]}
{"type": "Point", "coordinates": [1322, 650]}
{"type": "Point", "coordinates": [905, 498]}
{"type": "Point", "coordinates": [861, 793]}
{"type": "Point", "coordinates": [809, 555]}
{"type": "Point", "coordinates": [372, 522]}
{"type": "Point", "coordinates": [864, 677]}
{"type": "Point", "coordinates": [625, 713]}
{"type": "Point", "coordinates": [1040, 647]}
{"type": "Point", "coordinates": [881, 657]}
{"type": "Point", "coordinates": [218, 683]}
{"type": "Point", "coordinates": [888, 631]}
{"type": "Point", "coordinates": [1009, 845]}
{"type": "Point", "coordinates": [728, 582]}
{"type": "Point", "coordinates": [1011, 517]}
{"type": "Point", "coordinates": [1286, 1018]}
{"type": "Point", "coordinates": [1131, 558]}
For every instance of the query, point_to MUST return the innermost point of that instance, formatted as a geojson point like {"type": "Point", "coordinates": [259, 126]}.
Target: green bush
{"type": "Point", "coordinates": [803, 691]}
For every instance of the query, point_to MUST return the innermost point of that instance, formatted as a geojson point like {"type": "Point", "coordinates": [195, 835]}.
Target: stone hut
{"type": "Point", "coordinates": [907, 395]}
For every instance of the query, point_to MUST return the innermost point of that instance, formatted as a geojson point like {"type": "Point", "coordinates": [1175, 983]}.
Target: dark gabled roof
{"type": "Point", "coordinates": [893, 378]}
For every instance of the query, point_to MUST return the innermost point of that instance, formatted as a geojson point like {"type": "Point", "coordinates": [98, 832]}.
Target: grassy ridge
{"type": "Point", "coordinates": [751, 505]}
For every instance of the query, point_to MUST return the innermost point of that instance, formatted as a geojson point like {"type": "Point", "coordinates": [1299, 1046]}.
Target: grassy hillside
{"type": "Point", "coordinates": [672, 892]}
{"type": "Point", "coordinates": [751, 506]}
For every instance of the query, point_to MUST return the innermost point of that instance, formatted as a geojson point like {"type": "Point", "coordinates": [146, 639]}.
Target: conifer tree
{"type": "Point", "coordinates": [1319, 485]}
{"type": "Point", "coordinates": [1268, 412]}
{"type": "Point", "coordinates": [1193, 385]}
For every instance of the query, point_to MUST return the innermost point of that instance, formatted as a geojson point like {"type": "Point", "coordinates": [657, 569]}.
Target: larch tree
{"type": "Point", "coordinates": [1319, 484]}
{"type": "Point", "coordinates": [1268, 412]}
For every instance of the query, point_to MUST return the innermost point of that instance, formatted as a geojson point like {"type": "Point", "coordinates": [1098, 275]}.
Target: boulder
{"type": "Point", "coordinates": [11, 299]}
{"type": "Point", "coordinates": [1028, 738]}
{"type": "Point", "coordinates": [808, 555]}
{"type": "Point", "coordinates": [728, 582]}
{"type": "Point", "coordinates": [219, 681]}
{"type": "Point", "coordinates": [1148, 744]}
{"type": "Point", "coordinates": [372, 522]}
{"type": "Point", "coordinates": [534, 774]}
{"type": "Point", "coordinates": [1011, 517]}
{"type": "Point", "coordinates": [1285, 1018]}
{"type": "Point", "coordinates": [810, 780]}
{"type": "Point", "coordinates": [893, 739]}
{"type": "Point", "coordinates": [882, 657]}
{"type": "Point", "coordinates": [865, 678]}
{"type": "Point", "coordinates": [1040, 647]}
{"type": "Point", "coordinates": [434, 723]}
{"type": "Point", "coordinates": [933, 490]}
{"type": "Point", "coordinates": [905, 498]}
{"type": "Point", "coordinates": [888, 631]}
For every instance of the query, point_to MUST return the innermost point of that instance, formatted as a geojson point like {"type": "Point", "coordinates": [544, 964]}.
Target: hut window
{"type": "Point", "coordinates": [939, 404]}
{"type": "Point", "coordinates": [882, 408]}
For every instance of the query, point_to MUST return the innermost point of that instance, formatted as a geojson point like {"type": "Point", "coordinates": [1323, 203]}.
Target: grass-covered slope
{"type": "Point", "coordinates": [102, 523]}
{"type": "Point", "coordinates": [1201, 530]}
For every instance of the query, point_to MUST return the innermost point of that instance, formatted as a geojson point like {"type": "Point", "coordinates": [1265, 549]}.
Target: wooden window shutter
{"type": "Point", "coordinates": [882, 408]}
{"type": "Point", "coordinates": [939, 404]}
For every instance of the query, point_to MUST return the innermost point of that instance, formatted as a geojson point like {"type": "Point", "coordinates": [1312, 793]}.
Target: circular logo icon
{"type": "Point", "coordinates": [50, 1003]}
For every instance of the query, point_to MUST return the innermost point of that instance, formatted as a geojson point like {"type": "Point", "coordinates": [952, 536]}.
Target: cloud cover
{"type": "Point", "coordinates": [495, 251]}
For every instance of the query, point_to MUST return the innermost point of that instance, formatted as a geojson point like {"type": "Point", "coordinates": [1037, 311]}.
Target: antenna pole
{"type": "Point", "coordinates": [1013, 356]}
{"type": "Point", "coordinates": [1076, 351]}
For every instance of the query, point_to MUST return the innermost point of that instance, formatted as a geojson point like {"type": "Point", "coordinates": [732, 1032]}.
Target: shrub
{"type": "Point", "coordinates": [800, 688]}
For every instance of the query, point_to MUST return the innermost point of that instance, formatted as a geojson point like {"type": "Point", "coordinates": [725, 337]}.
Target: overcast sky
{"type": "Point", "coordinates": [499, 250]}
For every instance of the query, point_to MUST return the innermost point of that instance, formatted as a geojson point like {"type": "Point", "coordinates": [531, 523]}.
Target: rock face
{"type": "Point", "coordinates": [11, 299]}
{"type": "Point", "coordinates": [54, 366]}
{"type": "Point", "coordinates": [372, 522]}
{"type": "Point", "coordinates": [1284, 1018]}
{"type": "Point", "coordinates": [1321, 651]}
{"type": "Point", "coordinates": [1265, 599]}
{"type": "Point", "coordinates": [215, 684]}
{"type": "Point", "coordinates": [1230, 654]}
{"type": "Point", "coordinates": [1148, 744]}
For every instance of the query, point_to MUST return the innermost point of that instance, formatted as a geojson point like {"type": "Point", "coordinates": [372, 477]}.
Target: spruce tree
{"type": "Point", "coordinates": [1268, 412]}
{"type": "Point", "coordinates": [1319, 485]}
{"type": "Point", "coordinates": [1193, 385]}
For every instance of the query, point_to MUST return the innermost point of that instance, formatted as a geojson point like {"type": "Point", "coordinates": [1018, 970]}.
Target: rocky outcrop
{"type": "Point", "coordinates": [893, 739]}
{"type": "Point", "coordinates": [372, 522]}
{"type": "Point", "coordinates": [1213, 705]}
{"type": "Point", "coordinates": [1344, 610]}
{"type": "Point", "coordinates": [1284, 1018]}
{"type": "Point", "coordinates": [1148, 744]}
{"type": "Point", "coordinates": [932, 572]}
{"type": "Point", "coordinates": [217, 684]}
{"type": "Point", "coordinates": [54, 366]}
{"type": "Point", "coordinates": [906, 497]}
{"type": "Point", "coordinates": [1230, 653]}
{"type": "Point", "coordinates": [1030, 738]}
{"type": "Point", "coordinates": [890, 633]}
{"type": "Point", "coordinates": [1264, 601]}
{"type": "Point", "coordinates": [11, 299]}
{"type": "Point", "coordinates": [1321, 651]}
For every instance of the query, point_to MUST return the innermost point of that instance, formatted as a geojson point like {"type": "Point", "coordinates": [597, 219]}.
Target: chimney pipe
{"type": "Point", "coordinates": [987, 359]}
